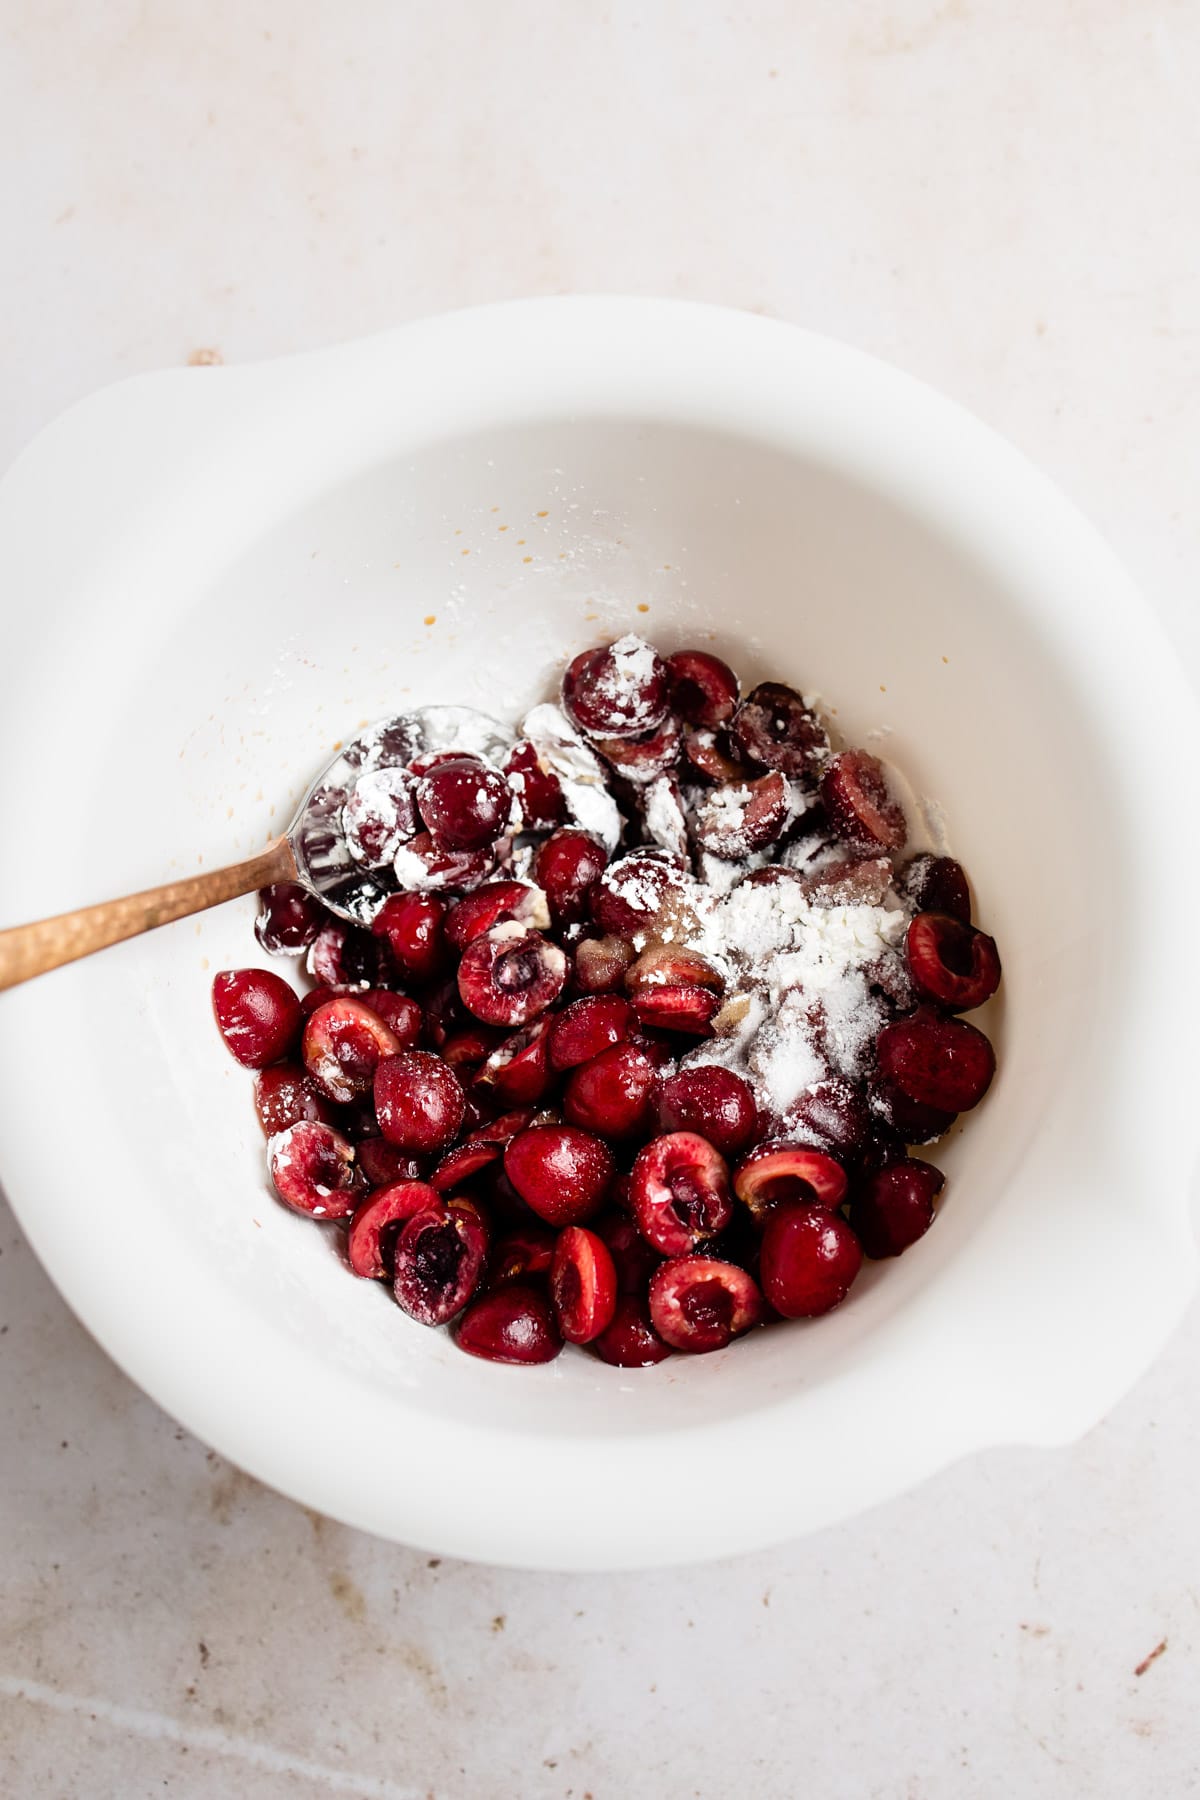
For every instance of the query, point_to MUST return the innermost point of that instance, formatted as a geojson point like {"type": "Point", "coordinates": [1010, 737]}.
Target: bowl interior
{"type": "Point", "coordinates": [469, 572]}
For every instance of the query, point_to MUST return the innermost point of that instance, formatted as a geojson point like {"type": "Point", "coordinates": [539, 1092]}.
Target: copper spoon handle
{"type": "Point", "coordinates": [28, 950]}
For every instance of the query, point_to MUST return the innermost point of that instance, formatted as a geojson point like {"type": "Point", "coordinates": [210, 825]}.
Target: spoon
{"type": "Point", "coordinates": [313, 851]}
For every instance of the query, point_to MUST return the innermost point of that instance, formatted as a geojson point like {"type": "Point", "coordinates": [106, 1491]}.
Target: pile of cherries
{"type": "Point", "coordinates": [483, 1089]}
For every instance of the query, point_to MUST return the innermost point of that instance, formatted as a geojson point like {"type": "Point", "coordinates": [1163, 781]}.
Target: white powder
{"type": "Point", "coordinates": [580, 772]}
{"type": "Point", "coordinates": [805, 973]}
{"type": "Point", "coordinates": [662, 816]}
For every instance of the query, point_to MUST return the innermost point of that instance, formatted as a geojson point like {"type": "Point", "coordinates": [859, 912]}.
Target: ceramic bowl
{"type": "Point", "coordinates": [213, 575]}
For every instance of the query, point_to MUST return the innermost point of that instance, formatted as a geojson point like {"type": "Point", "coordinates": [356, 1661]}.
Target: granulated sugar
{"type": "Point", "coordinates": [807, 972]}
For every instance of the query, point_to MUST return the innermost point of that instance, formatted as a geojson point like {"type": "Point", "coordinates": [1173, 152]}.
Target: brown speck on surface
{"type": "Point", "coordinates": [527, 559]}
{"type": "Point", "coordinates": [1153, 1657]}
{"type": "Point", "coordinates": [642, 607]}
{"type": "Point", "coordinates": [257, 1222]}
{"type": "Point", "coordinates": [495, 509]}
{"type": "Point", "coordinates": [431, 618]}
{"type": "Point", "coordinates": [945, 659]}
{"type": "Point", "coordinates": [204, 962]}
{"type": "Point", "coordinates": [520, 541]}
{"type": "Point", "coordinates": [65, 1445]}
{"type": "Point", "coordinates": [348, 1596]}
{"type": "Point", "coordinates": [457, 533]}
{"type": "Point", "coordinates": [543, 515]}
{"type": "Point", "coordinates": [202, 1647]}
{"type": "Point", "coordinates": [435, 1562]}
{"type": "Point", "coordinates": [766, 1599]}
{"type": "Point", "coordinates": [882, 689]}
{"type": "Point", "coordinates": [464, 553]}
{"type": "Point", "coordinates": [498, 1623]}
{"type": "Point", "coordinates": [204, 359]}
{"type": "Point", "coordinates": [1035, 1630]}
{"type": "Point", "coordinates": [772, 73]}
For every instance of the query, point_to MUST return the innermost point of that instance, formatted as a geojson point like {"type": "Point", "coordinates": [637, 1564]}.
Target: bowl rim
{"type": "Point", "coordinates": [514, 363]}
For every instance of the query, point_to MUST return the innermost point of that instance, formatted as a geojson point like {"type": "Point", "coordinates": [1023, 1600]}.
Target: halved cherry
{"type": "Point", "coordinates": [467, 1050]}
{"type": "Point", "coordinates": [832, 1114]}
{"type": "Point", "coordinates": [512, 1324]}
{"type": "Point", "coordinates": [413, 927]}
{"type": "Point", "coordinates": [419, 1102]}
{"type": "Point", "coordinates": [943, 1063]}
{"type": "Point", "coordinates": [617, 690]}
{"type": "Point", "coordinates": [849, 881]}
{"type": "Point", "coordinates": [538, 790]}
{"type": "Point", "coordinates": [510, 975]}
{"type": "Point", "coordinates": [567, 866]}
{"type": "Point", "coordinates": [378, 816]}
{"type": "Point", "coordinates": [380, 1163]}
{"type": "Point", "coordinates": [493, 903]}
{"type": "Point", "coordinates": [402, 1015]}
{"type": "Point", "coordinates": [679, 1191]}
{"type": "Point", "coordinates": [583, 1285]}
{"type": "Point", "coordinates": [632, 892]}
{"type": "Point", "coordinates": [370, 1240]}
{"type": "Point", "coordinates": [633, 1258]}
{"type": "Point", "coordinates": [936, 884]}
{"type": "Point", "coordinates": [312, 1169]}
{"type": "Point", "coordinates": [289, 918]}
{"type": "Point", "coordinates": [643, 759]}
{"type": "Point", "coordinates": [343, 1044]}
{"type": "Point", "coordinates": [708, 754]}
{"type": "Point", "coordinates": [952, 963]}
{"type": "Point", "coordinates": [809, 1259]}
{"type": "Point", "coordinates": [523, 1254]}
{"type": "Point", "coordinates": [486, 1144]}
{"type": "Point", "coordinates": [612, 1095]}
{"type": "Point", "coordinates": [630, 1341]}
{"type": "Point", "coordinates": [862, 808]}
{"type": "Point", "coordinates": [710, 1100]}
{"type": "Point", "coordinates": [777, 1175]}
{"type": "Point", "coordinates": [346, 957]}
{"type": "Point", "coordinates": [675, 989]}
{"type": "Point", "coordinates": [701, 1303]}
{"type": "Point", "coordinates": [257, 1014]}
{"type": "Point", "coordinates": [586, 1027]}
{"type": "Point", "coordinates": [439, 1259]}
{"type": "Point", "coordinates": [735, 821]}
{"type": "Point", "coordinates": [563, 1173]}
{"type": "Point", "coordinates": [774, 728]}
{"type": "Point", "coordinates": [463, 803]}
{"type": "Point", "coordinates": [518, 1071]}
{"type": "Point", "coordinates": [600, 964]}
{"type": "Point", "coordinates": [284, 1094]}
{"type": "Point", "coordinates": [684, 1008]}
{"type": "Point", "coordinates": [893, 1207]}
{"type": "Point", "coordinates": [909, 1120]}
{"type": "Point", "coordinates": [704, 690]}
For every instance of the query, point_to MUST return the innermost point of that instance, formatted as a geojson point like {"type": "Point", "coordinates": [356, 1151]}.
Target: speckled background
{"type": "Point", "coordinates": [1000, 195]}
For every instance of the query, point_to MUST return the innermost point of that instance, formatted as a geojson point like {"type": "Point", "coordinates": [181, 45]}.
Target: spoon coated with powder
{"type": "Point", "coordinates": [364, 810]}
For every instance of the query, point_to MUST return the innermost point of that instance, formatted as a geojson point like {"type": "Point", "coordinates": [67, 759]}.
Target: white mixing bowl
{"type": "Point", "coordinates": [210, 576]}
